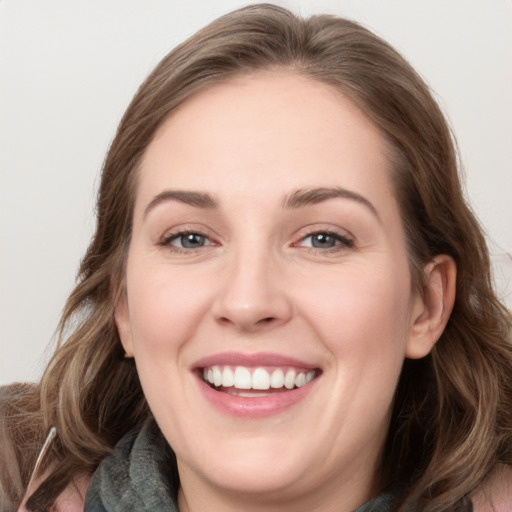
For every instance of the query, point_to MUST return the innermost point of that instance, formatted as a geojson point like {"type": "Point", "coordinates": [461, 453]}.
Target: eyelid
{"type": "Point", "coordinates": [346, 239]}
{"type": "Point", "coordinates": [169, 235]}
{"type": "Point", "coordinates": [173, 236]}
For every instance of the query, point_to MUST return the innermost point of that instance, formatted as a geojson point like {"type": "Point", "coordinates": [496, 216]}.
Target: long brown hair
{"type": "Point", "coordinates": [21, 438]}
{"type": "Point", "coordinates": [453, 409]}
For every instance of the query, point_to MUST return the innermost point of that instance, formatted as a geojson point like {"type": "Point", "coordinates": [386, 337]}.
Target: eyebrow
{"type": "Point", "coordinates": [296, 199]}
{"type": "Point", "coordinates": [197, 199]}
{"type": "Point", "coordinates": [309, 196]}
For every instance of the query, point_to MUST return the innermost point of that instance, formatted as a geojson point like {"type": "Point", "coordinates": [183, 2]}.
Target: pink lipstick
{"type": "Point", "coordinates": [254, 385]}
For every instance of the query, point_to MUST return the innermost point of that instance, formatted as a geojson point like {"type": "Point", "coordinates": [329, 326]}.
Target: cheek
{"type": "Point", "coordinates": [361, 312]}
{"type": "Point", "coordinates": [165, 309]}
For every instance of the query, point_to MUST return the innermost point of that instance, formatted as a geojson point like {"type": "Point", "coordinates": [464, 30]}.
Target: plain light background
{"type": "Point", "coordinates": [69, 68]}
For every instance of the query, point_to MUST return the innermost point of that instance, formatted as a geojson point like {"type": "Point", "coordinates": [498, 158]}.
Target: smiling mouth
{"type": "Point", "coordinates": [246, 381]}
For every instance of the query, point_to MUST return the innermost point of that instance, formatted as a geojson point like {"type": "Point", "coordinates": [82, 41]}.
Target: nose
{"type": "Point", "coordinates": [252, 295]}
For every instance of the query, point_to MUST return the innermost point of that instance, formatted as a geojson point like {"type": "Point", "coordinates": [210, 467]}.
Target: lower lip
{"type": "Point", "coordinates": [255, 407]}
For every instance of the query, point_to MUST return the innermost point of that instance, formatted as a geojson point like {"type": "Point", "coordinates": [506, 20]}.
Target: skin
{"type": "Point", "coordinates": [257, 285]}
{"type": "Point", "coordinates": [495, 494]}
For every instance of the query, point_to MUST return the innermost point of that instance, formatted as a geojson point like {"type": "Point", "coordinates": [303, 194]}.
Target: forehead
{"type": "Point", "coordinates": [264, 134]}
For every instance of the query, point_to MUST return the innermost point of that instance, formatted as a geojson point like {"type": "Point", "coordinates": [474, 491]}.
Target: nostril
{"type": "Point", "coordinates": [249, 324]}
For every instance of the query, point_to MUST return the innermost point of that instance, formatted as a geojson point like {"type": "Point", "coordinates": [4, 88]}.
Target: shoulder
{"type": "Point", "coordinates": [495, 493]}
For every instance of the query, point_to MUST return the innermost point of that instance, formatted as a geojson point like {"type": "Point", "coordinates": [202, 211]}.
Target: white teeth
{"type": "Point", "coordinates": [260, 379]}
{"type": "Point", "coordinates": [242, 378]}
{"type": "Point", "coordinates": [228, 377]}
{"type": "Point", "coordinates": [289, 380]}
{"type": "Point", "coordinates": [217, 376]}
{"type": "Point", "coordinates": [277, 379]}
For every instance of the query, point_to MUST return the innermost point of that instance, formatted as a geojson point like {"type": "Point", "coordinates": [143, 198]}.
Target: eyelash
{"type": "Point", "coordinates": [168, 241]}
{"type": "Point", "coordinates": [341, 242]}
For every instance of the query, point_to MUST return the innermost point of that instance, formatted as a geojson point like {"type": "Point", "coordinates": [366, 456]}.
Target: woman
{"type": "Point", "coordinates": [287, 303]}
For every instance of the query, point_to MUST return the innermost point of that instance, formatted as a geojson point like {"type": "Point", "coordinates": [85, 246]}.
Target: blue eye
{"type": "Point", "coordinates": [325, 240]}
{"type": "Point", "coordinates": [189, 240]}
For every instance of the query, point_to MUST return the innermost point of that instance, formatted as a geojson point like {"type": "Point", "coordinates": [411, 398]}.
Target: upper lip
{"type": "Point", "coordinates": [252, 360]}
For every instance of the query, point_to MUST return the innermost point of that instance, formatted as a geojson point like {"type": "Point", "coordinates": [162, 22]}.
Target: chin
{"type": "Point", "coordinates": [261, 466]}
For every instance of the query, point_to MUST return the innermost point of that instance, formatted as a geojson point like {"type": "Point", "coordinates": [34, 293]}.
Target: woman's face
{"type": "Point", "coordinates": [268, 297]}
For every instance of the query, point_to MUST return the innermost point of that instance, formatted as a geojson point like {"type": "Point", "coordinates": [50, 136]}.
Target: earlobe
{"type": "Point", "coordinates": [431, 311]}
{"type": "Point", "coordinates": [122, 319]}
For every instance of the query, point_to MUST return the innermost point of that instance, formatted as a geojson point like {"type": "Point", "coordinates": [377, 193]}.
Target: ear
{"type": "Point", "coordinates": [122, 318]}
{"type": "Point", "coordinates": [430, 312]}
